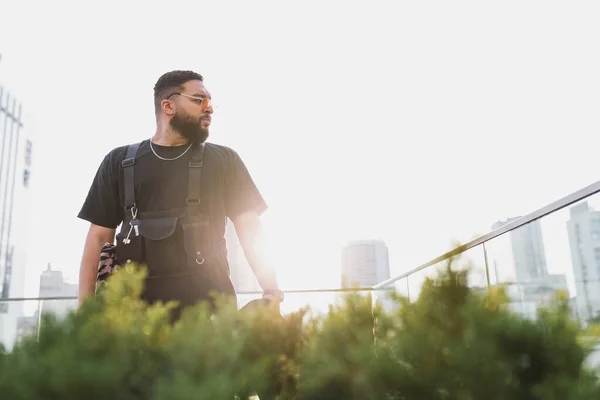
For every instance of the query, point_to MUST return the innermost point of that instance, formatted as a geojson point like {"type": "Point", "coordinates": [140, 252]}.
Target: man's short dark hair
{"type": "Point", "coordinates": [172, 82]}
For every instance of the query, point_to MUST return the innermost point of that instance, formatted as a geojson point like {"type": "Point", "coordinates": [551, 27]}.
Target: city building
{"type": "Point", "coordinates": [52, 284]}
{"type": "Point", "coordinates": [528, 297]}
{"type": "Point", "coordinates": [533, 286]}
{"type": "Point", "coordinates": [27, 326]}
{"type": "Point", "coordinates": [529, 255]}
{"type": "Point", "coordinates": [16, 144]}
{"type": "Point", "coordinates": [366, 263]}
{"type": "Point", "coordinates": [583, 228]}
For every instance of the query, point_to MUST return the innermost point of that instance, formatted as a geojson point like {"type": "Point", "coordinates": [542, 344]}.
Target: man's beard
{"type": "Point", "coordinates": [189, 128]}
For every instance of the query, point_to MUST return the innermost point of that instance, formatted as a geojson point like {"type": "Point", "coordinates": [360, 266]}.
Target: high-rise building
{"type": "Point", "coordinates": [15, 171]}
{"type": "Point", "coordinates": [584, 241]}
{"type": "Point", "coordinates": [52, 284]}
{"type": "Point", "coordinates": [365, 263]}
{"type": "Point", "coordinates": [533, 287]}
{"type": "Point", "coordinates": [529, 255]}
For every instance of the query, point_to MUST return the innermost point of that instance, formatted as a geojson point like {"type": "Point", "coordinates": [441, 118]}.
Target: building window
{"type": "Point", "coordinates": [28, 146]}
{"type": "Point", "coordinates": [26, 178]}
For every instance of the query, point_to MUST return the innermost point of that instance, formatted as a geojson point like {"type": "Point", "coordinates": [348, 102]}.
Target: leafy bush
{"type": "Point", "coordinates": [452, 343]}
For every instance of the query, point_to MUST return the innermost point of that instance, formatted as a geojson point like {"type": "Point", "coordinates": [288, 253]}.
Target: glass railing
{"type": "Point", "coordinates": [319, 300]}
{"type": "Point", "coordinates": [26, 317]}
{"type": "Point", "coordinates": [21, 317]}
{"type": "Point", "coordinates": [552, 251]}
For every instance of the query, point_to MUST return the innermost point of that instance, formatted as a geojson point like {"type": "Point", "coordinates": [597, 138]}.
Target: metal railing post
{"type": "Point", "coordinates": [487, 268]}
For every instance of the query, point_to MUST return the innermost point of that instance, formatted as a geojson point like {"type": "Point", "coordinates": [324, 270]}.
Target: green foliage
{"type": "Point", "coordinates": [452, 343]}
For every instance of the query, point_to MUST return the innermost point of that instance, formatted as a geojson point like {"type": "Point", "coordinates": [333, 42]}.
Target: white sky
{"type": "Point", "coordinates": [416, 122]}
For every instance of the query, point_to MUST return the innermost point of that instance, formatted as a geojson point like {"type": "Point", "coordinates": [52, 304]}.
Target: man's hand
{"type": "Point", "coordinates": [273, 295]}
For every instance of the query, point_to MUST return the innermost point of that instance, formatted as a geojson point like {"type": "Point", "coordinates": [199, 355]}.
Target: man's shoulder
{"type": "Point", "coordinates": [224, 153]}
{"type": "Point", "coordinates": [117, 155]}
{"type": "Point", "coordinates": [219, 148]}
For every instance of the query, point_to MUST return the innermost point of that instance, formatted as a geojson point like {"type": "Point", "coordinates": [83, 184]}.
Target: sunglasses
{"type": "Point", "coordinates": [202, 101]}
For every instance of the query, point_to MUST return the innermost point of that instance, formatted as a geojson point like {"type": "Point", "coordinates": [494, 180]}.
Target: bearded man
{"type": "Point", "coordinates": [172, 195]}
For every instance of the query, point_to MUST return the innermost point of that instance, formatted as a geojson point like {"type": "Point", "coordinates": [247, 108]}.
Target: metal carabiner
{"type": "Point", "coordinates": [199, 262]}
{"type": "Point", "coordinates": [133, 225]}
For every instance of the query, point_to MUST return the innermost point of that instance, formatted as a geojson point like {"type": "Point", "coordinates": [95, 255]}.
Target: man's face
{"type": "Point", "coordinates": [192, 118]}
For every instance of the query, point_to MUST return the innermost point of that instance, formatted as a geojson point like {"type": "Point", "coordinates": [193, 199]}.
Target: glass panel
{"type": "Point", "coordinates": [558, 254]}
{"type": "Point", "coordinates": [383, 295]}
{"type": "Point", "coordinates": [473, 259]}
{"type": "Point", "coordinates": [59, 308]}
{"type": "Point", "coordinates": [24, 317]}
{"type": "Point", "coordinates": [318, 302]}
{"type": "Point", "coordinates": [18, 319]}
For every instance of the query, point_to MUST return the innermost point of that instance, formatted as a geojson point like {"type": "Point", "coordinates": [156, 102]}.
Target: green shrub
{"type": "Point", "coordinates": [452, 343]}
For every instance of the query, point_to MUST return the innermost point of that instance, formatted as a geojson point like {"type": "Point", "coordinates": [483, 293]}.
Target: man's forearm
{"type": "Point", "coordinates": [88, 269]}
{"type": "Point", "coordinates": [250, 232]}
{"type": "Point", "coordinates": [89, 262]}
{"type": "Point", "coordinates": [263, 270]}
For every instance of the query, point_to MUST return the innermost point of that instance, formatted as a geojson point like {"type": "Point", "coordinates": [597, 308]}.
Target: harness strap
{"type": "Point", "coordinates": [128, 182]}
{"type": "Point", "coordinates": [195, 174]}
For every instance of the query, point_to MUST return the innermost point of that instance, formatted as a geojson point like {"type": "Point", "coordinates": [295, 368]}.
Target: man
{"type": "Point", "coordinates": [173, 218]}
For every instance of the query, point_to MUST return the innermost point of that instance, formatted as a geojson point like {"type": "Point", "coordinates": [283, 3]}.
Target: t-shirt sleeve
{"type": "Point", "coordinates": [102, 205]}
{"type": "Point", "coordinates": [241, 193]}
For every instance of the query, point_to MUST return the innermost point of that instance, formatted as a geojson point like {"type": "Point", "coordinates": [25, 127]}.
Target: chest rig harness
{"type": "Point", "coordinates": [192, 220]}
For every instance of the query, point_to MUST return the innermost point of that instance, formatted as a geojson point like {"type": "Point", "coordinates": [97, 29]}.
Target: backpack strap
{"type": "Point", "coordinates": [195, 173]}
{"type": "Point", "coordinates": [128, 182]}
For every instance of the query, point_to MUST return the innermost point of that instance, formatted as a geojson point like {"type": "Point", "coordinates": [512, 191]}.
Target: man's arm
{"type": "Point", "coordinates": [103, 209]}
{"type": "Point", "coordinates": [96, 237]}
{"type": "Point", "coordinates": [243, 205]}
{"type": "Point", "coordinates": [250, 232]}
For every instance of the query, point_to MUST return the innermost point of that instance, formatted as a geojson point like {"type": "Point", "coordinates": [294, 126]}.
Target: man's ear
{"type": "Point", "coordinates": [168, 106]}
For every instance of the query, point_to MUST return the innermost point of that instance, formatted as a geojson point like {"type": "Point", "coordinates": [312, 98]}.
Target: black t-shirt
{"type": "Point", "coordinates": [227, 190]}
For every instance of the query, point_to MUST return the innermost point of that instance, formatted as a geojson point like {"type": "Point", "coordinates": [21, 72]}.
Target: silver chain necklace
{"type": "Point", "coordinates": [170, 159]}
